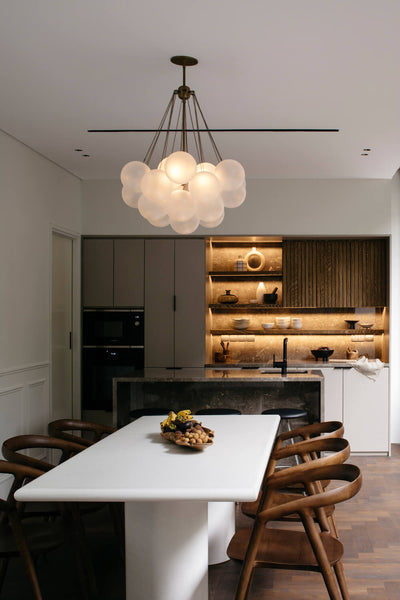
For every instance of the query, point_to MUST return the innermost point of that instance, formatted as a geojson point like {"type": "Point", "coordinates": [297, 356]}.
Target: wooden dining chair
{"type": "Point", "coordinates": [315, 548]}
{"type": "Point", "coordinates": [324, 430]}
{"type": "Point", "coordinates": [30, 538]}
{"type": "Point", "coordinates": [318, 452]}
{"type": "Point", "coordinates": [14, 449]}
{"type": "Point", "coordinates": [90, 432]}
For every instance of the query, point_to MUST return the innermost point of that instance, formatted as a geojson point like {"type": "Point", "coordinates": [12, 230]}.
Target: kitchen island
{"type": "Point", "coordinates": [251, 390]}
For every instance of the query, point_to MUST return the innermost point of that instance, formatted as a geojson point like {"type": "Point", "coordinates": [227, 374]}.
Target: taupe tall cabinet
{"type": "Point", "coordinates": [113, 272]}
{"type": "Point", "coordinates": [174, 303]}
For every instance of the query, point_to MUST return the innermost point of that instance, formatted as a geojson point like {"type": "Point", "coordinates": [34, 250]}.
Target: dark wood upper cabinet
{"type": "Point", "coordinates": [335, 273]}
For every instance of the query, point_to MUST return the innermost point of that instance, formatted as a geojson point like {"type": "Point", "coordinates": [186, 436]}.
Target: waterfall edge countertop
{"type": "Point", "coordinates": [245, 375]}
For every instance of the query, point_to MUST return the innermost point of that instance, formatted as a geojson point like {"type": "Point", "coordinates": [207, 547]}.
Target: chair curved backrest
{"type": "Point", "coordinates": [62, 428]}
{"type": "Point", "coordinates": [336, 451]}
{"type": "Point", "coordinates": [13, 447]}
{"type": "Point", "coordinates": [325, 429]}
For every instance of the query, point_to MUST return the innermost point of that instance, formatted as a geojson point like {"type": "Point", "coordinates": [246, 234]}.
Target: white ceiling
{"type": "Point", "coordinates": [71, 65]}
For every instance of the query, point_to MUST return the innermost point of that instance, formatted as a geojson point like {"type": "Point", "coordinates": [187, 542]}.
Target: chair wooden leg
{"type": "Point", "coordinates": [25, 555]}
{"type": "Point", "coordinates": [320, 555]}
{"type": "Point", "coordinates": [339, 572]}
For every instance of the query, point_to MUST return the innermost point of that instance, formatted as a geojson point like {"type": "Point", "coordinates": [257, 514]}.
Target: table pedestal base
{"type": "Point", "coordinates": [221, 528]}
{"type": "Point", "coordinates": [166, 545]}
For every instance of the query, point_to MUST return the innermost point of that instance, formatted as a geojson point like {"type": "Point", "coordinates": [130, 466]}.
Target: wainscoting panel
{"type": "Point", "coordinates": [24, 406]}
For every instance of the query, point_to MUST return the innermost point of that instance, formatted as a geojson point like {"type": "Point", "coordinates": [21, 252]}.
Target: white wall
{"type": "Point", "coordinates": [272, 206]}
{"type": "Point", "coordinates": [34, 195]}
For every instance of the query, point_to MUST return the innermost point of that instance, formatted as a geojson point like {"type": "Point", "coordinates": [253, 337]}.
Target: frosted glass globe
{"type": "Point", "coordinates": [234, 198]}
{"type": "Point", "coordinates": [132, 174]}
{"type": "Point", "coordinates": [149, 209]}
{"type": "Point", "coordinates": [186, 227]}
{"type": "Point", "coordinates": [209, 210]}
{"type": "Point", "coordinates": [180, 206]}
{"type": "Point", "coordinates": [230, 173]}
{"type": "Point", "coordinates": [180, 167]}
{"type": "Point", "coordinates": [204, 185]}
{"type": "Point", "coordinates": [161, 166]}
{"type": "Point", "coordinates": [130, 197]}
{"type": "Point", "coordinates": [212, 224]}
{"type": "Point", "coordinates": [163, 222]}
{"type": "Point", "coordinates": [205, 166]}
{"type": "Point", "coordinates": [156, 186]}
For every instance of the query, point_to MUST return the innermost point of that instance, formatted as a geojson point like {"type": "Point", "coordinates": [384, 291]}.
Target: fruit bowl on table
{"type": "Point", "coordinates": [183, 430]}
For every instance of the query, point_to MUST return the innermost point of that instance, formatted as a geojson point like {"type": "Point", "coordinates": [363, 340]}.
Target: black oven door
{"type": "Point", "coordinates": [113, 327]}
{"type": "Point", "coordinates": [99, 366]}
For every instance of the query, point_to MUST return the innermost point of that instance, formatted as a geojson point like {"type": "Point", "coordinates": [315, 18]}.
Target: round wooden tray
{"type": "Point", "coordinates": [170, 436]}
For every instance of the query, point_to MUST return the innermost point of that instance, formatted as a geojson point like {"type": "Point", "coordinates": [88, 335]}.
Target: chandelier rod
{"type": "Point", "coordinates": [220, 130]}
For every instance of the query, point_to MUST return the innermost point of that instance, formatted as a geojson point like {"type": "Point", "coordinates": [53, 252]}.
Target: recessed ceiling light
{"type": "Point", "coordinates": [85, 154]}
{"type": "Point", "coordinates": [78, 149]}
{"type": "Point", "coordinates": [364, 154]}
{"type": "Point", "coordinates": [367, 149]}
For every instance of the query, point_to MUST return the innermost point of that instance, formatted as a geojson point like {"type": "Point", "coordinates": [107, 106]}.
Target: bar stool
{"type": "Point", "coordinates": [286, 414]}
{"type": "Point", "coordinates": [218, 411]}
{"type": "Point", "coordinates": [148, 412]}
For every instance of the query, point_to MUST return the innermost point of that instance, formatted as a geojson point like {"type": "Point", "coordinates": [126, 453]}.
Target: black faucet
{"type": "Point", "coordinates": [282, 365]}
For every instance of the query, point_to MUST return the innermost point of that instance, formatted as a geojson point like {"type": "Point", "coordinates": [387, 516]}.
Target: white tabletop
{"type": "Point", "coordinates": [135, 463]}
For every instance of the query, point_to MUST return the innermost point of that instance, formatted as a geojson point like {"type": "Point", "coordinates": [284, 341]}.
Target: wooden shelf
{"type": "Point", "coordinates": [289, 331]}
{"type": "Point", "coordinates": [284, 309]}
{"type": "Point", "coordinates": [243, 275]}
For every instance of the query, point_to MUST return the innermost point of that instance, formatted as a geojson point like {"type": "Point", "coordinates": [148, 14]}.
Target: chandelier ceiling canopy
{"type": "Point", "coordinates": [184, 188]}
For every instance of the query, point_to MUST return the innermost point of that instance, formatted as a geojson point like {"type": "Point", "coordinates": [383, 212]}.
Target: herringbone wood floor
{"type": "Point", "coordinates": [369, 527]}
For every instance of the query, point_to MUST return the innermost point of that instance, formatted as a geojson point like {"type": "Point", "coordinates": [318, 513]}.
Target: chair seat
{"type": "Point", "coordinates": [284, 547]}
{"type": "Point", "coordinates": [286, 413]}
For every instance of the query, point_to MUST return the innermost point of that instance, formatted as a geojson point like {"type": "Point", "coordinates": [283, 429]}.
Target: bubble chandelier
{"type": "Point", "coordinates": [181, 191]}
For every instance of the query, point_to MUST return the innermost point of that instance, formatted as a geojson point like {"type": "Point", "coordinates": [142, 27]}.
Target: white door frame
{"type": "Point", "coordinates": [76, 317]}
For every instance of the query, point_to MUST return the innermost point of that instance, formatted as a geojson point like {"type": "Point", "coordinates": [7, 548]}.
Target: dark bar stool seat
{"type": "Point", "coordinates": [218, 411]}
{"type": "Point", "coordinates": [148, 412]}
{"type": "Point", "coordinates": [286, 414]}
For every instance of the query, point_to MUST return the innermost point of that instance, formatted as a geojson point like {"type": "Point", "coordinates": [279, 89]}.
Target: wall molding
{"type": "Point", "coordinates": [24, 368]}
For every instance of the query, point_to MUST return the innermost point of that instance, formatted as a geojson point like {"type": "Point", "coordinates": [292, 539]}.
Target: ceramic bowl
{"type": "Point", "coordinates": [366, 325]}
{"type": "Point", "coordinates": [267, 325]}
{"type": "Point", "coordinates": [241, 323]}
{"type": "Point", "coordinates": [282, 322]}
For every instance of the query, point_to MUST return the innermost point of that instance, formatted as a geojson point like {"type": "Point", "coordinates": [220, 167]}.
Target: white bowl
{"type": "Point", "coordinates": [267, 325]}
{"type": "Point", "coordinates": [282, 322]}
{"type": "Point", "coordinates": [282, 325]}
{"type": "Point", "coordinates": [241, 323]}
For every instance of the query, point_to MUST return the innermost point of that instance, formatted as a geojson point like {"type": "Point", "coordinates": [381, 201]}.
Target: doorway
{"type": "Point", "coordinates": [62, 405]}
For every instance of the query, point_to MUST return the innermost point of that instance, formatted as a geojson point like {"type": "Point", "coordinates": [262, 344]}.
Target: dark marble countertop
{"type": "Point", "coordinates": [245, 375]}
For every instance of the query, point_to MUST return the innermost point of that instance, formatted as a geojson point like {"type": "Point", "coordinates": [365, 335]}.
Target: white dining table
{"type": "Point", "coordinates": [166, 490]}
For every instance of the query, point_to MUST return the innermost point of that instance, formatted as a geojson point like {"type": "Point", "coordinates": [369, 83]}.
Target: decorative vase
{"type": "Point", "coordinates": [228, 298]}
{"type": "Point", "coordinates": [260, 292]}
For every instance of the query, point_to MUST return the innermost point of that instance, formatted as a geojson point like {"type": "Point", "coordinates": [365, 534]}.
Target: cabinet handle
{"type": "Point", "coordinates": [70, 340]}
{"type": "Point", "coordinates": [174, 303]}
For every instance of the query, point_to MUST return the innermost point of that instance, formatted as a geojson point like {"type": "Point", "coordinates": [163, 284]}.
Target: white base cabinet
{"type": "Point", "coordinates": [362, 405]}
{"type": "Point", "coordinates": [366, 411]}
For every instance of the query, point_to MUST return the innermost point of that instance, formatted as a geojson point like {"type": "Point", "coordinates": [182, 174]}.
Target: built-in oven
{"type": "Point", "coordinates": [113, 346]}
{"type": "Point", "coordinates": [113, 327]}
